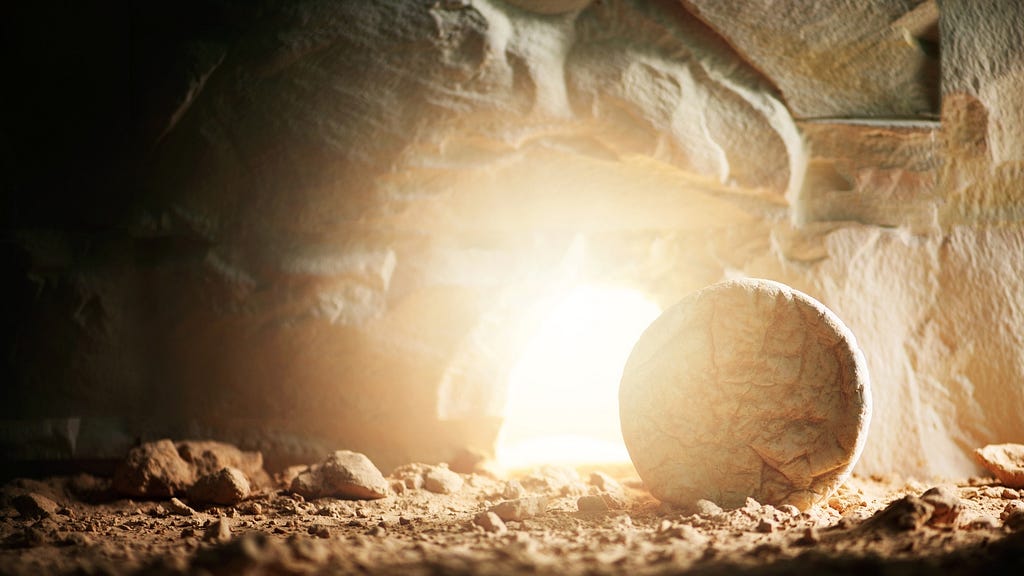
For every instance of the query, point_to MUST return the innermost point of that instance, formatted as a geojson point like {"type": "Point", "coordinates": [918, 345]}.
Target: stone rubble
{"type": "Point", "coordinates": [1006, 461]}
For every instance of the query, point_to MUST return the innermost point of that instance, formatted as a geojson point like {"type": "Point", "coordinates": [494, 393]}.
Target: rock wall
{"type": "Point", "coordinates": [328, 224]}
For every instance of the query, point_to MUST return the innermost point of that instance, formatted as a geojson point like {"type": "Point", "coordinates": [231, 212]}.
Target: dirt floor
{"type": "Point", "coordinates": [872, 525]}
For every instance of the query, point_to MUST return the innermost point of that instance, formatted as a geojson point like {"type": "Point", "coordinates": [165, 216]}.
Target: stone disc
{"type": "Point", "coordinates": [745, 388]}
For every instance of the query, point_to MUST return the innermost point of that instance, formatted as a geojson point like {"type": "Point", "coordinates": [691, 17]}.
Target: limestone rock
{"type": "Point", "coordinates": [33, 505]}
{"type": "Point", "coordinates": [218, 531]}
{"type": "Point", "coordinates": [344, 474]}
{"type": "Point", "coordinates": [153, 470]}
{"type": "Point", "coordinates": [521, 508]}
{"type": "Point", "coordinates": [227, 486]}
{"type": "Point", "coordinates": [745, 388]}
{"type": "Point", "coordinates": [1006, 461]}
{"type": "Point", "coordinates": [442, 480]}
{"type": "Point", "coordinates": [490, 522]}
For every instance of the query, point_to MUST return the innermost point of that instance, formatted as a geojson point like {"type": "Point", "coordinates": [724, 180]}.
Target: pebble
{"type": "Point", "coordinates": [179, 508]}
{"type": "Point", "coordinates": [490, 522]}
{"type": "Point", "coordinates": [218, 531]}
{"type": "Point", "coordinates": [1009, 494]}
{"type": "Point", "coordinates": [521, 508]}
{"type": "Point", "coordinates": [766, 526]}
{"type": "Point", "coordinates": [1011, 508]}
{"type": "Point", "coordinates": [227, 486]}
{"type": "Point", "coordinates": [440, 480]}
{"type": "Point", "coordinates": [906, 514]}
{"type": "Point", "coordinates": [513, 489]}
{"type": "Point", "coordinates": [946, 505]}
{"type": "Point", "coordinates": [33, 505]}
{"type": "Point", "coordinates": [707, 508]}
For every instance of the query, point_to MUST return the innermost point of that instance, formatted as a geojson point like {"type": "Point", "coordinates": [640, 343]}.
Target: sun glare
{"type": "Point", "coordinates": [563, 404]}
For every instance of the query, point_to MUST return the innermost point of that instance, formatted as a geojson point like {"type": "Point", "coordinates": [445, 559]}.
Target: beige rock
{"type": "Point", "coordinates": [442, 480]}
{"type": "Point", "coordinates": [745, 388]}
{"type": "Point", "coordinates": [207, 457]}
{"type": "Point", "coordinates": [344, 474]}
{"type": "Point", "coordinates": [1006, 461]}
{"type": "Point", "coordinates": [947, 506]}
{"type": "Point", "coordinates": [490, 522]}
{"type": "Point", "coordinates": [592, 503]}
{"type": "Point", "coordinates": [227, 486]}
{"type": "Point", "coordinates": [521, 508]}
{"type": "Point", "coordinates": [33, 505]}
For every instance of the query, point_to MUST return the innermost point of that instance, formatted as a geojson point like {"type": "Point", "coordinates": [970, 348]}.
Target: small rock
{"type": "Point", "coordinates": [1006, 461]}
{"type": "Point", "coordinates": [227, 486]}
{"type": "Point", "coordinates": [946, 505]}
{"type": "Point", "coordinates": [319, 530]}
{"type": "Point", "coordinates": [153, 470]}
{"type": "Point", "coordinates": [810, 537]}
{"type": "Point", "coordinates": [33, 505]}
{"type": "Point", "coordinates": [179, 508]}
{"type": "Point", "coordinates": [1009, 494]}
{"type": "Point", "coordinates": [1015, 521]}
{"type": "Point", "coordinates": [789, 510]}
{"type": "Point", "coordinates": [490, 522]}
{"type": "Point", "coordinates": [592, 504]}
{"type": "Point", "coordinates": [707, 508]}
{"type": "Point", "coordinates": [252, 509]}
{"type": "Point", "coordinates": [512, 490]}
{"type": "Point", "coordinates": [470, 461]}
{"type": "Point", "coordinates": [907, 513]}
{"type": "Point", "coordinates": [343, 474]}
{"type": "Point", "coordinates": [442, 481]}
{"type": "Point", "coordinates": [521, 508]}
{"type": "Point", "coordinates": [981, 523]}
{"type": "Point", "coordinates": [613, 493]}
{"type": "Point", "coordinates": [1011, 508]}
{"type": "Point", "coordinates": [397, 486]}
{"type": "Point", "coordinates": [218, 531]}
{"type": "Point", "coordinates": [766, 526]}
{"type": "Point", "coordinates": [207, 457]}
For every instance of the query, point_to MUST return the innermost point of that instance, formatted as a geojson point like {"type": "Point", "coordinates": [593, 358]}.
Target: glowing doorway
{"type": "Point", "coordinates": [563, 404]}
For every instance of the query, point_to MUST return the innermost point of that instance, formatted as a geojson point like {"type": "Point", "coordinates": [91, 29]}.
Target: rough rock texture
{"type": "Point", "coordinates": [442, 480]}
{"type": "Point", "coordinates": [208, 458]}
{"type": "Point", "coordinates": [153, 470]}
{"type": "Point", "coordinates": [745, 389]}
{"type": "Point", "coordinates": [295, 225]}
{"type": "Point", "coordinates": [1006, 461]}
{"type": "Point", "coordinates": [344, 474]}
{"type": "Point", "coordinates": [32, 505]}
{"type": "Point", "coordinates": [226, 486]}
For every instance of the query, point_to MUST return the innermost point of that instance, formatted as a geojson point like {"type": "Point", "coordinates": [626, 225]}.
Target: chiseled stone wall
{"type": "Point", "coordinates": [340, 215]}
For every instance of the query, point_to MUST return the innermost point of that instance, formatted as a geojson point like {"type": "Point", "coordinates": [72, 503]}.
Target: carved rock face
{"type": "Point", "coordinates": [745, 388]}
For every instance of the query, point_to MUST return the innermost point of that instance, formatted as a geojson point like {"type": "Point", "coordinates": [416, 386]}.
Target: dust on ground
{"type": "Point", "coordinates": [561, 521]}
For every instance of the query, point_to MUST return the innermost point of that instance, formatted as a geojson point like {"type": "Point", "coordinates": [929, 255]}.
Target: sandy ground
{"type": "Point", "coordinates": [421, 532]}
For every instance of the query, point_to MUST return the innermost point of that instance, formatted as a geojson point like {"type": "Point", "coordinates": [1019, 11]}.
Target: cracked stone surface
{"type": "Point", "coordinates": [745, 388]}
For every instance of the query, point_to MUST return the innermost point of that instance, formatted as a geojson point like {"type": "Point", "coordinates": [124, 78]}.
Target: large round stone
{"type": "Point", "coordinates": [745, 388]}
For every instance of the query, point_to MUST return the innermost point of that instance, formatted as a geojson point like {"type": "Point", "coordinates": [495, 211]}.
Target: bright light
{"type": "Point", "coordinates": [563, 404]}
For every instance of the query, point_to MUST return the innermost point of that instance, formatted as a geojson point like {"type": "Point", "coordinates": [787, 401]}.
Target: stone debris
{"type": "Point", "coordinates": [227, 486]}
{"type": "Point", "coordinates": [513, 489]}
{"type": "Point", "coordinates": [613, 494]}
{"type": "Point", "coordinates": [343, 474]}
{"type": "Point", "coordinates": [521, 508]}
{"type": "Point", "coordinates": [905, 514]}
{"type": "Point", "coordinates": [176, 507]}
{"type": "Point", "coordinates": [33, 505]}
{"type": "Point", "coordinates": [490, 522]}
{"type": "Point", "coordinates": [1005, 461]}
{"type": "Point", "coordinates": [707, 508]}
{"type": "Point", "coordinates": [1015, 521]}
{"type": "Point", "coordinates": [218, 531]}
{"type": "Point", "coordinates": [153, 470]}
{"type": "Point", "coordinates": [440, 480]}
{"type": "Point", "coordinates": [1011, 509]}
{"type": "Point", "coordinates": [593, 503]}
{"type": "Point", "coordinates": [946, 506]}
{"type": "Point", "coordinates": [206, 457]}
{"type": "Point", "coordinates": [771, 391]}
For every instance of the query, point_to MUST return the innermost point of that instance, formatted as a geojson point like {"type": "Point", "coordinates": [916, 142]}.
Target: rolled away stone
{"type": "Point", "coordinates": [746, 388]}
